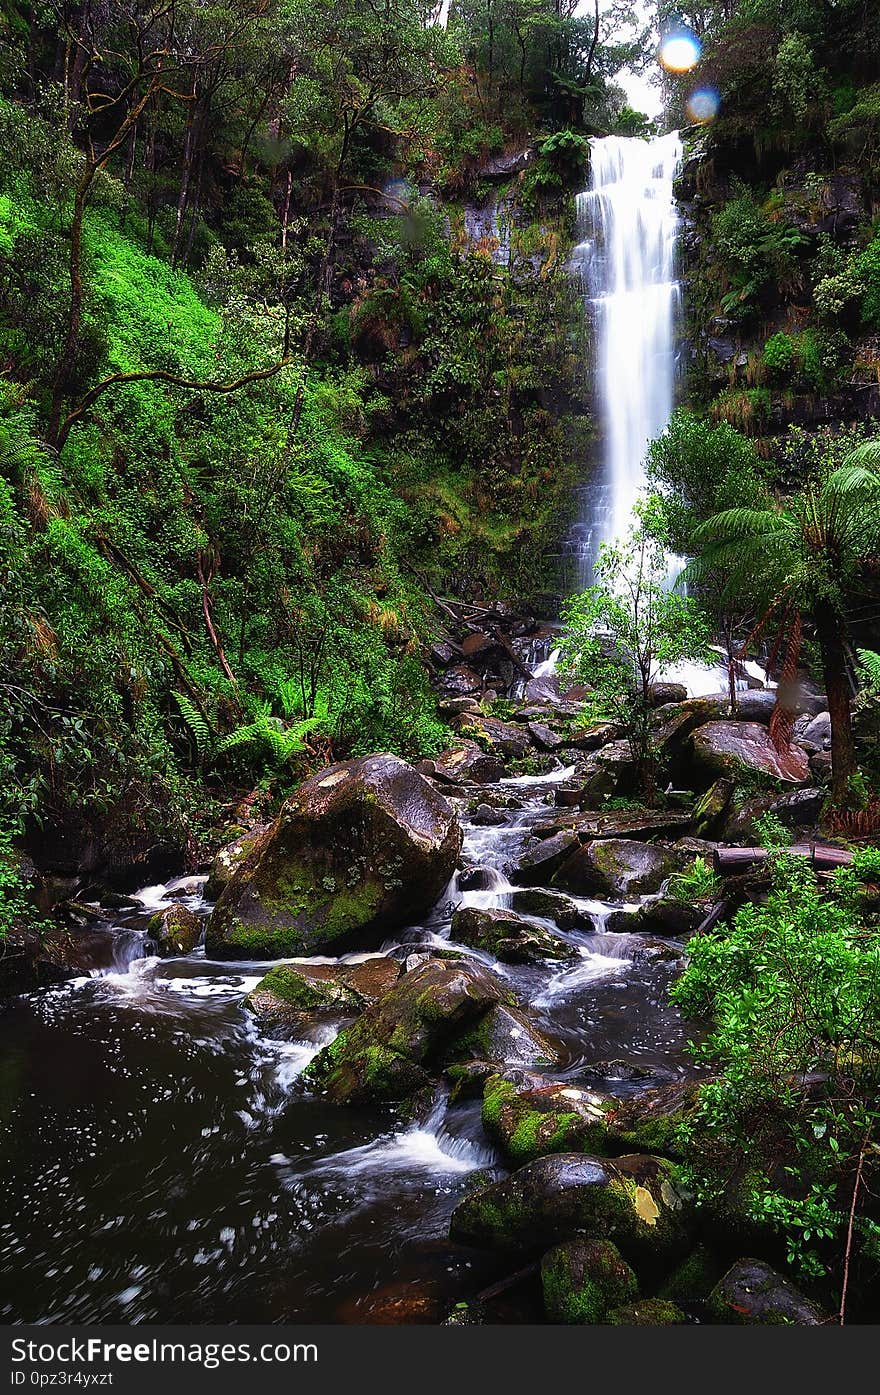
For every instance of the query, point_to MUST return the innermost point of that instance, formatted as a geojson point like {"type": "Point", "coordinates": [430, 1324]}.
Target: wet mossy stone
{"type": "Point", "coordinates": [634, 1201]}
{"type": "Point", "coordinates": [365, 845]}
{"type": "Point", "coordinates": [751, 1293]}
{"type": "Point", "coordinates": [505, 1034]}
{"type": "Point", "coordinates": [734, 749]}
{"type": "Point", "coordinates": [582, 1279]}
{"type": "Point", "coordinates": [387, 1053]}
{"type": "Point", "coordinates": [531, 1118]}
{"type": "Point", "coordinates": [508, 936]}
{"type": "Point", "coordinates": [647, 1312]}
{"type": "Point", "coordinates": [286, 998]}
{"type": "Point", "coordinates": [231, 857]}
{"type": "Point", "coordinates": [176, 930]}
{"type": "Point", "coordinates": [694, 1278]}
{"type": "Point", "coordinates": [711, 810]}
{"type": "Point", "coordinates": [552, 905]}
{"type": "Point", "coordinates": [617, 868]}
{"type": "Point", "coordinates": [543, 857]}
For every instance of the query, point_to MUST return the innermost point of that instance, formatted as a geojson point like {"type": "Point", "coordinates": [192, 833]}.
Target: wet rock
{"type": "Point", "coordinates": [464, 764]}
{"type": "Point", "coordinates": [506, 1034]}
{"type": "Point", "coordinates": [582, 1279]}
{"type": "Point", "coordinates": [647, 1312]}
{"type": "Point", "coordinates": [529, 1118]}
{"type": "Point", "coordinates": [460, 681]}
{"type": "Point", "coordinates": [665, 916]}
{"type": "Point", "coordinates": [592, 738]}
{"type": "Point", "coordinates": [616, 868]}
{"type": "Point", "coordinates": [176, 930]}
{"type": "Point", "coordinates": [662, 694]}
{"type": "Point", "coordinates": [454, 706]}
{"type": "Point", "coordinates": [386, 1053]}
{"type": "Point", "coordinates": [814, 733]}
{"type": "Point", "coordinates": [729, 749]}
{"type": "Point", "coordinates": [544, 737]}
{"type": "Point", "coordinates": [756, 705]}
{"type": "Point", "coordinates": [552, 905]}
{"type": "Point", "coordinates": [800, 809]}
{"type": "Point", "coordinates": [741, 825]}
{"type": "Point", "coordinates": [287, 998]}
{"type": "Point", "coordinates": [503, 739]}
{"type": "Point", "coordinates": [444, 653]}
{"type": "Point", "coordinates": [674, 724]}
{"type": "Point", "coordinates": [633, 1201]}
{"type": "Point", "coordinates": [484, 816]}
{"type": "Point", "coordinates": [504, 167]}
{"type": "Point", "coordinates": [617, 823]}
{"type": "Point", "coordinates": [364, 845]}
{"type": "Point", "coordinates": [753, 1293]}
{"type": "Point", "coordinates": [541, 860]}
{"type": "Point", "coordinates": [820, 767]}
{"type": "Point", "coordinates": [230, 858]}
{"type": "Point", "coordinates": [543, 690]}
{"type": "Point", "coordinates": [476, 878]}
{"type": "Point", "coordinates": [694, 1278]}
{"type": "Point", "coordinates": [710, 811]}
{"type": "Point", "coordinates": [508, 936]}
{"type": "Point", "coordinates": [29, 960]}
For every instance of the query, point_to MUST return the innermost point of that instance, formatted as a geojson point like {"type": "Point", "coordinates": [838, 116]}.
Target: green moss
{"type": "Point", "coordinates": [581, 1280]}
{"type": "Point", "coordinates": [647, 1312]}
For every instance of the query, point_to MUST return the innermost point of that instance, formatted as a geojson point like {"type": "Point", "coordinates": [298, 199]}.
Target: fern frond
{"type": "Point", "coordinates": [869, 670]}
{"type": "Point", "coordinates": [195, 720]}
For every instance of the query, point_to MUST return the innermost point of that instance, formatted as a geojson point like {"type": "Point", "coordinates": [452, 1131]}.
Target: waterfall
{"type": "Point", "coordinates": [628, 222]}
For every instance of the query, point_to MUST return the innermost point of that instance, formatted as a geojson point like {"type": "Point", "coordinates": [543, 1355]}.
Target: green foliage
{"type": "Point", "coordinates": [698, 883]}
{"type": "Point", "coordinates": [779, 352]}
{"type": "Point", "coordinates": [621, 634]}
{"type": "Point", "coordinates": [754, 249]}
{"type": "Point", "coordinates": [789, 988]}
{"type": "Point", "coordinates": [868, 272]}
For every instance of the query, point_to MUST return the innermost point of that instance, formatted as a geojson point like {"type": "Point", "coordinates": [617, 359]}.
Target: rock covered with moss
{"type": "Point", "coordinates": [364, 845]}
{"type": "Point", "coordinates": [289, 996]}
{"type": "Point", "coordinates": [581, 1280]}
{"type": "Point", "coordinates": [634, 1201]}
{"type": "Point", "coordinates": [175, 929]}
{"type": "Point", "coordinates": [647, 1312]}
{"type": "Point", "coordinates": [616, 868]}
{"type": "Point", "coordinates": [387, 1054]}
{"type": "Point", "coordinates": [752, 1293]}
{"type": "Point", "coordinates": [508, 936]}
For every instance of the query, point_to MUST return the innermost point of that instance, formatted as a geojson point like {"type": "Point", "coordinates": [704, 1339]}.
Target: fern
{"type": "Point", "coordinates": [281, 743]}
{"type": "Point", "coordinates": [195, 720]}
{"type": "Point", "coordinates": [869, 677]}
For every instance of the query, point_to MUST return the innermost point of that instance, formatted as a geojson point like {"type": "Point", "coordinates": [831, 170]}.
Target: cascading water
{"type": "Point", "coordinates": [626, 260]}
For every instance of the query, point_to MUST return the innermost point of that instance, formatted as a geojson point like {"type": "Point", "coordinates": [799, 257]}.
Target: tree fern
{"type": "Point", "coordinates": [281, 743]}
{"type": "Point", "coordinates": [869, 675]}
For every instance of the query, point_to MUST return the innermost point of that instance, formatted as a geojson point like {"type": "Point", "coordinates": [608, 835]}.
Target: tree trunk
{"type": "Point", "coordinates": [829, 627]}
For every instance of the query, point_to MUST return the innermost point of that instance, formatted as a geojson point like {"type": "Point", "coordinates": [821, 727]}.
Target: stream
{"type": "Point", "coordinates": [161, 1164]}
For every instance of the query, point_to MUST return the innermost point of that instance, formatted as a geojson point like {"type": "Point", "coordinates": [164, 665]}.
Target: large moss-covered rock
{"type": "Point", "coordinates": [542, 858]}
{"type": "Point", "coordinates": [710, 811]}
{"type": "Point", "coordinates": [582, 1279]}
{"type": "Point", "coordinates": [752, 1293]}
{"type": "Point", "coordinates": [175, 930]}
{"type": "Point", "coordinates": [666, 915]}
{"type": "Point", "coordinates": [616, 868]}
{"type": "Point", "coordinates": [633, 1201]}
{"type": "Point", "coordinates": [364, 845]}
{"type": "Point", "coordinates": [508, 936]}
{"type": "Point", "coordinates": [386, 1054]}
{"type": "Point", "coordinates": [732, 749]}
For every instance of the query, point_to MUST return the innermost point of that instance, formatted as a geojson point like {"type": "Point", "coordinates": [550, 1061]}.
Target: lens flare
{"type": "Point", "coordinates": [679, 50]}
{"type": "Point", "coordinates": [702, 105]}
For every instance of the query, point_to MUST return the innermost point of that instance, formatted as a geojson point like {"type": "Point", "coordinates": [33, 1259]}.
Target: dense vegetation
{"type": "Point", "coordinates": [278, 359]}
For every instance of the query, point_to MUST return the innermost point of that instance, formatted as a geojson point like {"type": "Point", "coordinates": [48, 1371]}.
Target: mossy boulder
{"type": "Point", "coordinates": [387, 1053]}
{"type": "Point", "coordinates": [505, 1034]}
{"type": "Point", "coordinates": [582, 1279]}
{"type": "Point", "coordinates": [529, 1117]}
{"type": "Point", "coordinates": [693, 1280]}
{"type": "Point", "coordinates": [552, 905]}
{"type": "Point", "coordinates": [175, 930]}
{"type": "Point", "coordinates": [616, 868]}
{"type": "Point", "coordinates": [711, 809]}
{"type": "Point", "coordinates": [634, 1201]}
{"type": "Point", "coordinates": [647, 1312]}
{"type": "Point", "coordinates": [365, 845]}
{"type": "Point", "coordinates": [543, 857]}
{"type": "Point", "coordinates": [733, 749]}
{"type": "Point", "coordinates": [289, 997]}
{"type": "Point", "coordinates": [230, 857]}
{"type": "Point", "coordinates": [666, 915]}
{"type": "Point", "coordinates": [508, 936]}
{"type": "Point", "coordinates": [751, 1293]}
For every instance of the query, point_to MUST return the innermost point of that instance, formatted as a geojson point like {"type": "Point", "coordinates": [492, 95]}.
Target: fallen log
{"type": "Point", "coordinates": [730, 861]}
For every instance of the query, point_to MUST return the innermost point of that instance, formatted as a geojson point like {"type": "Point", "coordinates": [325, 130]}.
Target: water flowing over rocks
{"type": "Point", "coordinates": [362, 845]}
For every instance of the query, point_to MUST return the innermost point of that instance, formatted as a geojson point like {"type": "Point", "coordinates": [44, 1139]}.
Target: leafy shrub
{"type": "Point", "coordinates": [790, 988]}
{"type": "Point", "coordinates": [779, 352]}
